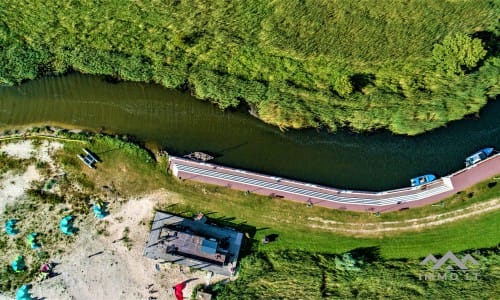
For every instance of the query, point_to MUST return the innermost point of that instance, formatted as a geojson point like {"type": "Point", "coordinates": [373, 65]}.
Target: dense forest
{"type": "Point", "coordinates": [406, 66]}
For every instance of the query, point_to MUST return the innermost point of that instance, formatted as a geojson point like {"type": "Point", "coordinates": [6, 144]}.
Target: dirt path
{"type": "Point", "coordinates": [407, 225]}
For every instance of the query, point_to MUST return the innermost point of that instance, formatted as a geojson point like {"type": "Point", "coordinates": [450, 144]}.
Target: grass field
{"type": "Point", "coordinates": [300, 275]}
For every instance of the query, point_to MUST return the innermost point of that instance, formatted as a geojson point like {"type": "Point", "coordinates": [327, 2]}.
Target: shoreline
{"type": "Point", "coordinates": [327, 196]}
{"type": "Point", "coordinates": [116, 241]}
{"type": "Point", "coordinates": [330, 197]}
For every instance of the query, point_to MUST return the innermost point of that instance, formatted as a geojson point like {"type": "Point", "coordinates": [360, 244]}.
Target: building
{"type": "Point", "coordinates": [194, 243]}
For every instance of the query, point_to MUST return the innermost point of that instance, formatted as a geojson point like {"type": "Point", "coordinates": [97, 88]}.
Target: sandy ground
{"type": "Point", "coordinates": [115, 272]}
{"type": "Point", "coordinates": [25, 149]}
{"type": "Point", "coordinates": [116, 269]}
{"type": "Point", "coordinates": [12, 186]}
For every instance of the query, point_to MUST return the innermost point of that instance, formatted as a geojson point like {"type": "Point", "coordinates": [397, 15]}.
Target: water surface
{"type": "Point", "coordinates": [181, 124]}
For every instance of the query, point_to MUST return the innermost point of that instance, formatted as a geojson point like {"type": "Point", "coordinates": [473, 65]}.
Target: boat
{"type": "Point", "coordinates": [200, 156]}
{"type": "Point", "coordinates": [478, 156]}
{"type": "Point", "coordinates": [424, 179]}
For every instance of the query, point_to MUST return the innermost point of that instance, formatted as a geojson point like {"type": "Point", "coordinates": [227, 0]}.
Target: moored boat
{"type": "Point", "coordinates": [478, 156]}
{"type": "Point", "coordinates": [424, 179]}
{"type": "Point", "coordinates": [200, 156]}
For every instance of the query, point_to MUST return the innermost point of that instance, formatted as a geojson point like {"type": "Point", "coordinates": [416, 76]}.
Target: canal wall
{"type": "Point", "coordinates": [277, 187]}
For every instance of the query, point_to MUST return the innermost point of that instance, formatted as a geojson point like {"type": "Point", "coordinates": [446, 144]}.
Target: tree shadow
{"type": "Point", "coordinates": [263, 228]}
{"type": "Point", "coordinates": [366, 254]}
{"type": "Point", "coordinates": [359, 81]}
{"type": "Point", "coordinates": [490, 41]}
{"type": "Point", "coordinates": [225, 219]}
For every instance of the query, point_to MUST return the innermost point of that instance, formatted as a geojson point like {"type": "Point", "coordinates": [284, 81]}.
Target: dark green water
{"type": "Point", "coordinates": [182, 124]}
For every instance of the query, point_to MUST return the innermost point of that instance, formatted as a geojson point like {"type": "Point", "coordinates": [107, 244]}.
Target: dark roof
{"type": "Point", "coordinates": [194, 243]}
{"type": "Point", "coordinates": [208, 246]}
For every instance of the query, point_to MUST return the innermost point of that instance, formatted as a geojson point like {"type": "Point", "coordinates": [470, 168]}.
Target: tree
{"type": "Point", "coordinates": [343, 86]}
{"type": "Point", "coordinates": [457, 53]}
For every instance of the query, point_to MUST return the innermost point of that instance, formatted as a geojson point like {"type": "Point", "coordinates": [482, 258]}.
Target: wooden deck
{"type": "Point", "coordinates": [331, 197]}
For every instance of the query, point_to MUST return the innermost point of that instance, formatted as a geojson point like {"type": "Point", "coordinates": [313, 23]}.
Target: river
{"type": "Point", "coordinates": [181, 124]}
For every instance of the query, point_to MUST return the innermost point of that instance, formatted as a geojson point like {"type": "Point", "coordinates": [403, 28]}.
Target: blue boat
{"type": "Point", "coordinates": [424, 179]}
{"type": "Point", "coordinates": [478, 156]}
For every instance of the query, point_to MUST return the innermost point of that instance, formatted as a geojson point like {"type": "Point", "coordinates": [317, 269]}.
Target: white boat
{"type": "Point", "coordinates": [478, 156]}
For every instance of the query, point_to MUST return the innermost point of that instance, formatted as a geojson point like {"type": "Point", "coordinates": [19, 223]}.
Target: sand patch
{"type": "Point", "coordinates": [25, 149]}
{"type": "Point", "coordinates": [117, 269]}
{"type": "Point", "coordinates": [22, 149]}
{"type": "Point", "coordinates": [13, 186]}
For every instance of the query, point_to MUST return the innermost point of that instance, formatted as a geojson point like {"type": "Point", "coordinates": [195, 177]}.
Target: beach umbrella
{"type": "Point", "coordinates": [99, 210]}
{"type": "Point", "coordinates": [18, 264]}
{"type": "Point", "coordinates": [9, 227]}
{"type": "Point", "coordinates": [23, 293]}
{"type": "Point", "coordinates": [46, 268]}
{"type": "Point", "coordinates": [32, 240]}
{"type": "Point", "coordinates": [66, 225]}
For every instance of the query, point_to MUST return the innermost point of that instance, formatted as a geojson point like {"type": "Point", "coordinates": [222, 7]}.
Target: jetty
{"type": "Point", "coordinates": [277, 187]}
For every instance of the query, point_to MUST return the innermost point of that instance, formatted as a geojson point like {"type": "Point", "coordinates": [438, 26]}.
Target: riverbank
{"type": "Point", "coordinates": [407, 76]}
{"type": "Point", "coordinates": [313, 194]}
{"type": "Point", "coordinates": [139, 173]}
{"type": "Point", "coordinates": [134, 183]}
{"type": "Point", "coordinates": [179, 124]}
